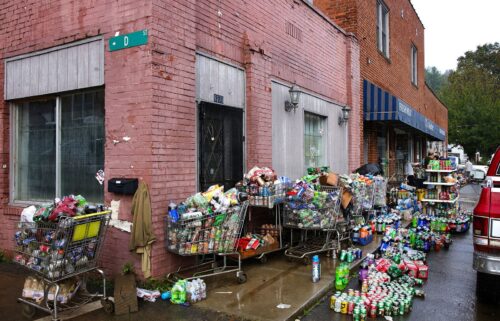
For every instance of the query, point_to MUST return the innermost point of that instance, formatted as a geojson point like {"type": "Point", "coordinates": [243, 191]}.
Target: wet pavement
{"type": "Point", "coordinates": [450, 289]}
{"type": "Point", "coordinates": [268, 285]}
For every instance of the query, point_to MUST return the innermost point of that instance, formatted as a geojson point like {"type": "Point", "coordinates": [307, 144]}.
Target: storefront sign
{"type": "Point", "coordinates": [404, 108]}
{"type": "Point", "coordinates": [380, 105]}
{"type": "Point", "coordinates": [129, 40]}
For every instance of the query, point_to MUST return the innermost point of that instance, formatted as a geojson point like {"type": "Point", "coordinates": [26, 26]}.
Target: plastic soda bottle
{"type": "Point", "coordinates": [316, 269]}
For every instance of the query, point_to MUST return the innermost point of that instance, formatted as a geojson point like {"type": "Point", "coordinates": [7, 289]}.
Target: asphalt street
{"type": "Point", "coordinates": [450, 290]}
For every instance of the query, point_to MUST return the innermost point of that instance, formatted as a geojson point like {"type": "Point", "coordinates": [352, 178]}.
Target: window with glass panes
{"type": "Point", "coordinates": [59, 147]}
{"type": "Point", "coordinates": [414, 60]}
{"type": "Point", "coordinates": [314, 140]}
{"type": "Point", "coordinates": [383, 28]}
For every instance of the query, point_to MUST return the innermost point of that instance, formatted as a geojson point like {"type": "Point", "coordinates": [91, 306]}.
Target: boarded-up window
{"type": "Point", "coordinates": [73, 66]}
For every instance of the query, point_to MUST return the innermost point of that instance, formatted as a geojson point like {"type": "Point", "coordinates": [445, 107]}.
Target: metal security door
{"type": "Point", "coordinates": [220, 145]}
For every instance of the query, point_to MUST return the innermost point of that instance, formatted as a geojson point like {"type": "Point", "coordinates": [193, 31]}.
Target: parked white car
{"type": "Point", "coordinates": [478, 173]}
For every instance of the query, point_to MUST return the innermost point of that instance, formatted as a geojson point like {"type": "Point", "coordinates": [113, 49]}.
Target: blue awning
{"type": "Point", "coordinates": [380, 105]}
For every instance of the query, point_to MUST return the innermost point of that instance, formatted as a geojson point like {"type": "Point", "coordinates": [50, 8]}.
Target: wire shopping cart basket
{"type": "Point", "coordinates": [56, 252]}
{"type": "Point", "coordinates": [207, 235]}
{"type": "Point", "coordinates": [320, 217]}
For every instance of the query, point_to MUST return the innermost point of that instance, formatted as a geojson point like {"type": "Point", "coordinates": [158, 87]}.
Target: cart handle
{"type": "Point", "coordinates": [80, 217]}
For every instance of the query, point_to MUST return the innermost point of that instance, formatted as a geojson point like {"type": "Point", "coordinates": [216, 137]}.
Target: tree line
{"type": "Point", "coordinates": [472, 95]}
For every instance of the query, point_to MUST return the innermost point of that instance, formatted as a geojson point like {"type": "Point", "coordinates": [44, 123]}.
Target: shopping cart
{"type": "Point", "coordinates": [325, 223]}
{"type": "Point", "coordinates": [207, 236]}
{"type": "Point", "coordinates": [58, 252]}
{"type": "Point", "coordinates": [265, 196]}
{"type": "Point", "coordinates": [363, 196]}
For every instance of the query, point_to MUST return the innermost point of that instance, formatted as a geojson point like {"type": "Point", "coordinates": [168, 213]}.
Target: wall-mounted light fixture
{"type": "Point", "coordinates": [344, 116]}
{"type": "Point", "coordinates": [293, 103]}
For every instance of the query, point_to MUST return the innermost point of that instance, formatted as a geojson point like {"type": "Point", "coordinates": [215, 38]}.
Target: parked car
{"type": "Point", "coordinates": [479, 173]}
{"type": "Point", "coordinates": [486, 237]}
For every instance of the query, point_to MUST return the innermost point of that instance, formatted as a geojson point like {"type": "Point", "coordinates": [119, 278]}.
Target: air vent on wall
{"type": "Point", "coordinates": [293, 31]}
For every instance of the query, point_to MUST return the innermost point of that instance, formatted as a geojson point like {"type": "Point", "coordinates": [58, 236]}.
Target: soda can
{"type": "Point", "coordinates": [343, 255]}
{"type": "Point", "coordinates": [395, 308]}
{"type": "Point", "coordinates": [380, 309]}
{"type": "Point", "coordinates": [388, 307]}
{"type": "Point", "coordinates": [344, 306]}
{"type": "Point", "coordinates": [350, 308]}
{"type": "Point", "coordinates": [373, 310]}
{"type": "Point", "coordinates": [407, 305]}
{"type": "Point", "coordinates": [401, 307]}
{"type": "Point", "coordinates": [356, 313]}
{"type": "Point", "coordinates": [362, 314]}
{"type": "Point", "coordinates": [333, 298]}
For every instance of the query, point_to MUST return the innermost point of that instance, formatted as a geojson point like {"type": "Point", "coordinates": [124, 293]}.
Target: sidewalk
{"type": "Point", "coordinates": [279, 281]}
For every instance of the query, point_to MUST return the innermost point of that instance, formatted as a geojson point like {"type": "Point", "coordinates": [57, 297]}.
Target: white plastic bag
{"type": "Point", "coordinates": [27, 214]}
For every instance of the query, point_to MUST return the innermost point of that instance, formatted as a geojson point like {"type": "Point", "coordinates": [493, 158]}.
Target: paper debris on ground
{"type": "Point", "coordinates": [148, 295]}
{"type": "Point", "coordinates": [283, 306]}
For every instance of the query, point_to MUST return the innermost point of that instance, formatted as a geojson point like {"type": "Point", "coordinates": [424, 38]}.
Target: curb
{"type": "Point", "coordinates": [320, 294]}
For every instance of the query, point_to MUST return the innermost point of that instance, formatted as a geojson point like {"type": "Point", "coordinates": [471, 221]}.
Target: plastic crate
{"type": "Point", "coordinates": [363, 241]}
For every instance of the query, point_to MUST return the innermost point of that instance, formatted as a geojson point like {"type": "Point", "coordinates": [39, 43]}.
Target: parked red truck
{"type": "Point", "coordinates": [486, 229]}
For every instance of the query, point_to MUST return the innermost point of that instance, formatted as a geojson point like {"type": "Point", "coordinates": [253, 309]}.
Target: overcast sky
{"type": "Point", "coordinates": [453, 27]}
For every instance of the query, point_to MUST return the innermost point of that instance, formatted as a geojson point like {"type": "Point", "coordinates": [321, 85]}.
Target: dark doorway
{"type": "Point", "coordinates": [220, 145]}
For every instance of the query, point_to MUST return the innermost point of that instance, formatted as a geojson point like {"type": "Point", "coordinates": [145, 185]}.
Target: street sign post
{"type": "Point", "coordinates": [129, 40]}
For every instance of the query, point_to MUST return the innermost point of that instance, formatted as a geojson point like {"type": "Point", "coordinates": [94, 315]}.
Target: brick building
{"type": "Point", "coordinates": [400, 112]}
{"type": "Point", "coordinates": [200, 102]}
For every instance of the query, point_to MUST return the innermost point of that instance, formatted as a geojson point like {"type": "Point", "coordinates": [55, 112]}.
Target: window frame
{"type": "Point", "coordinates": [414, 64]}
{"type": "Point", "coordinates": [382, 28]}
{"type": "Point", "coordinates": [324, 137]}
{"type": "Point", "coordinates": [13, 141]}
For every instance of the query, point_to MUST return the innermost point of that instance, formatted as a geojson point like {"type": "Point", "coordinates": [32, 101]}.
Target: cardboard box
{"type": "Point", "coordinates": [423, 270]}
{"type": "Point", "coordinates": [412, 269]}
{"type": "Point", "coordinates": [346, 198]}
{"type": "Point", "coordinates": [330, 179]}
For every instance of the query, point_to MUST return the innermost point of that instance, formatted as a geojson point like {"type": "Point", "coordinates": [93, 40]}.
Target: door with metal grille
{"type": "Point", "coordinates": [220, 145]}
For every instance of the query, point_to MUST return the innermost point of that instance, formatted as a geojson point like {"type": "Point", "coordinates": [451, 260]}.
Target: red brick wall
{"type": "Point", "coordinates": [436, 110]}
{"type": "Point", "coordinates": [393, 74]}
{"type": "Point", "coordinates": [342, 12]}
{"type": "Point", "coordinates": [318, 57]}
{"type": "Point", "coordinates": [34, 25]}
{"type": "Point", "coordinates": [150, 90]}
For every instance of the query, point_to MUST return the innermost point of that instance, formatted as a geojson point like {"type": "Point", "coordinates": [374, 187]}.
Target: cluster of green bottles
{"type": "Point", "coordinates": [342, 276]}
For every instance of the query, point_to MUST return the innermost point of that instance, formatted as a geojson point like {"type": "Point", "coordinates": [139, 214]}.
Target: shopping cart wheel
{"type": "Point", "coordinates": [28, 311]}
{"type": "Point", "coordinates": [108, 306]}
{"type": "Point", "coordinates": [263, 259]}
{"type": "Point", "coordinates": [306, 260]}
{"type": "Point", "coordinates": [242, 277]}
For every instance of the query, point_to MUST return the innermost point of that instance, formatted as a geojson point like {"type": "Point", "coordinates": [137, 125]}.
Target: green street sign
{"type": "Point", "coordinates": [133, 39]}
